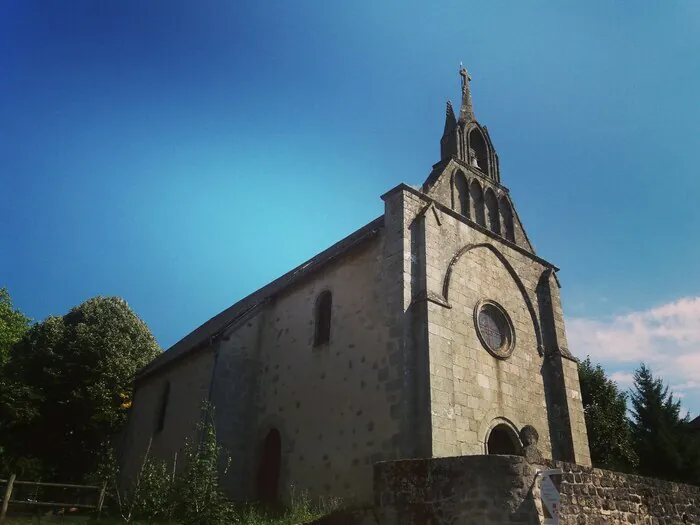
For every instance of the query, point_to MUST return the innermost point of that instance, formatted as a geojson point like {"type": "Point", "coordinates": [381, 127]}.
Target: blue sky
{"type": "Point", "coordinates": [182, 154]}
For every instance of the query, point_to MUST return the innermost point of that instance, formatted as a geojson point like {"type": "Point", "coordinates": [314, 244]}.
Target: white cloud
{"type": "Point", "coordinates": [666, 337]}
{"type": "Point", "coordinates": [623, 379]}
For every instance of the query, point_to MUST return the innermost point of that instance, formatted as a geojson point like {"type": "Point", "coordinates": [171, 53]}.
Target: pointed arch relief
{"type": "Point", "coordinates": [507, 218]}
{"type": "Point", "coordinates": [477, 203]}
{"type": "Point", "coordinates": [492, 211]}
{"type": "Point", "coordinates": [511, 271]}
{"type": "Point", "coordinates": [461, 186]}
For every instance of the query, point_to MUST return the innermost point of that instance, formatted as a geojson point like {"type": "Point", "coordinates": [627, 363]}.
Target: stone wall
{"type": "Point", "coordinates": [190, 380]}
{"type": "Point", "coordinates": [471, 390]}
{"type": "Point", "coordinates": [445, 191]}
{"type": "Point", "coordinates": [404, 374]}
{"type": "Point", "coordinates": [500, 490]}
{"type": "Point", "coordinates": [593, 496]}
{"type": "Point", "coordinates": [336, 406]}
{"type": "Point", "coordinates": [234, 393]}
{"type": "Point", "coordinates": [459, 490]}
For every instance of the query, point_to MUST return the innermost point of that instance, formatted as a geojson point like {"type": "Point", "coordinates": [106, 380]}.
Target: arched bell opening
{"type": "Point", "coordinates": [478, 151]}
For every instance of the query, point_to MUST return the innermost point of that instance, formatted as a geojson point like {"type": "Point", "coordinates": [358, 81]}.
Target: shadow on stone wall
{"type": "Point", "coordinates": [464, 490]}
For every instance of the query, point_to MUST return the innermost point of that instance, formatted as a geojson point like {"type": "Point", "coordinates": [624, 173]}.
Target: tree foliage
{"type": "Point", "coordinates": [13, 325]}
{"type": "Point", "coordinates": [605, 407]}
{"type": "Point", "coordinates": [13, 398]}
{"type": "Point", "coordinates": [76, 372]}
{"type": "Point", "coordinates": [665, 447]}
{"type": "Point", "coordinates": [648, 437]}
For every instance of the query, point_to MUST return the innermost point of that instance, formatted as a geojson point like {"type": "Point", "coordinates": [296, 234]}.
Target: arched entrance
{"type": "Point", "coordinates": [502, 440]}
{"type": "Point", "coordinates": [269, 471]}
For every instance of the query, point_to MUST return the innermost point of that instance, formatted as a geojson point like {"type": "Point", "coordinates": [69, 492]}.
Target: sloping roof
{"type": "Point", "coordinates": [201, 336]}
{"type": "Point", "coordinates": [695, 423]}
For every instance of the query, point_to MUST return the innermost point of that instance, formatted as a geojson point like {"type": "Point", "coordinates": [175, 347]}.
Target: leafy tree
{"type": "Point", "coordinates": [13, 325]}
{"type": "Point", "coordinates": [78, 370]}
{"type": "Point", "coordinates": [605, 407]}
{"type": "Point", "coordinates": [659, 432]}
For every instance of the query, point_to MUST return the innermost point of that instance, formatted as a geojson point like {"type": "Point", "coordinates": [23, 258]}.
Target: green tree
{"type": "Point", "coordinates": [658, 430]}
{"type": "Point", "coordinates": [13, 325]}
{"type": "Point", "coordinates": [13, 398]}
{"type": "Point", "coordinates": [79, 370]}
{"type": "Point", "coordinates": [605, 407]}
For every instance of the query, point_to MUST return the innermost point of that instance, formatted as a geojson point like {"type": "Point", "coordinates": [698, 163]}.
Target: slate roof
{"type": "Point", "coordinates": [201, 337]}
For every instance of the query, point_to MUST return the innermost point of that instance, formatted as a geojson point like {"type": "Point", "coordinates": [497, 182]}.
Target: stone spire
{"type": "Point", "coordinates": [449, 140]}
{"type": "Point", "coordinates": [450, 120]}
{"type": "Point", "coordinates": [466, 113]}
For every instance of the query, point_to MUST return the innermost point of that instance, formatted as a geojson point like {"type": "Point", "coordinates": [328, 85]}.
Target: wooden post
{"type": "Point", "coordinates": [101, 499]}
{"type": "Point", "coordinates": [6, 498]}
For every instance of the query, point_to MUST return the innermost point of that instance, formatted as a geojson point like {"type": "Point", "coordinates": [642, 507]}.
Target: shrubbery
{"type": "Point", "coordinates": [162, 494]}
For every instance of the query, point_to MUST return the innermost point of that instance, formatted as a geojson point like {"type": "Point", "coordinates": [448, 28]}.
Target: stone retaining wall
{"type": "Point", "coordinates": [500, 490]}
{"type": "Point", "coordinates": [464, 490]}
{"type": "Point", "coordinates": [592, 496]}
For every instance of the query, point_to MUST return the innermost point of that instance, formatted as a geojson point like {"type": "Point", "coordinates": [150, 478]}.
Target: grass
{"type": "Point", "coordinates": [249, 516]}
{"type": "Point", "coordinates": [302, 510]}
{"type": "Point", "coordinates": [36, 520]}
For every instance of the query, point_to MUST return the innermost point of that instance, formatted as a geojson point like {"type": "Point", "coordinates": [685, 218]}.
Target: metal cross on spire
{"type": "Point", "coordinates": [466, 113]}
{"type": "Point", "coordinates": [466, 77]}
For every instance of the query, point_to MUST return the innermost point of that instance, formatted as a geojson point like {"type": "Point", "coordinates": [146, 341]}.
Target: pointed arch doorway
{"type": "Point", "coordinates": [269, 470]}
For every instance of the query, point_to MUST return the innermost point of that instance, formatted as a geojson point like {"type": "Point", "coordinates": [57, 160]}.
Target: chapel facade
{"type": "Point", "coordinates": [435, 330]}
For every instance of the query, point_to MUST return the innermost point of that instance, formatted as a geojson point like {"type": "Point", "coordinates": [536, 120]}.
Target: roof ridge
{"type": "Point", "coordinates": [202, 334]}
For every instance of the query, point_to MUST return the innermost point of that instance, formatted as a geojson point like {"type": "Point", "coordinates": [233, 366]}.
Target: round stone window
{"type": "Point", "coordinates": [494, 328]}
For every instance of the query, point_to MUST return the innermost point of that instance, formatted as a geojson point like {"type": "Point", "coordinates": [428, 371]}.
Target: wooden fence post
{"type": "Point", "coordinates": [6, 498]}
{"type": "Point", "coordinates": [101, 500]}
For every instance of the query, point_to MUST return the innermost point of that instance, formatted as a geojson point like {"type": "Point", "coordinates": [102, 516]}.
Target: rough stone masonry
{"type": "Point", "coordinates": [504, 490]}
{"type": "Point", "coordinates": [433, 331]}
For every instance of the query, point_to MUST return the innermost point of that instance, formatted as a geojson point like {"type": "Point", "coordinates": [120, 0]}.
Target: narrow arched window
{"type": "Point", "coordinates": [461, 194]}
{"type": "Point", "coordinates": [323, 318]}
{"type": "Point", "coordinates": [507, 217]}
{"type": "Point", "coordinates": [493, 212]}
{"type": "Point", "coordinates": [163, 407]}
{"type": "Point", "coordinates": [478, 152]}
{"type": "Point", "coordinates": [477, 202]}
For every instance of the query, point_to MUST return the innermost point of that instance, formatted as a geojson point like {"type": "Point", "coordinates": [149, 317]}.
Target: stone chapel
{"type": "Point", "coordinates": [433, 331]}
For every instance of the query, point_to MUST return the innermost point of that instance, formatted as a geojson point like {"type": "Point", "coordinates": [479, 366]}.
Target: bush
{"type": "Point", "coordinates": [199, 497]}
{"type": "Point", "coordinates": [160, 494]}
